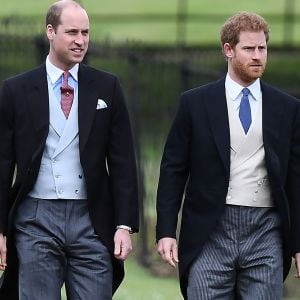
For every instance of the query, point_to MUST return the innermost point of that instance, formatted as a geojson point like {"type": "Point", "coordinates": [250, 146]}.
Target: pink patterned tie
{"type": "Point", "coordinates": [67, 95]}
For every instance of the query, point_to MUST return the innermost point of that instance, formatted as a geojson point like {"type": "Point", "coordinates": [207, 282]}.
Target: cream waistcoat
{"type": "Point", "coordinates": [248, 185]}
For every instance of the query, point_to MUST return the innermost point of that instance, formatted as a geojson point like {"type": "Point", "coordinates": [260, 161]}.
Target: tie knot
{"type": "Point", "coordinates": [67, 95]}
{"type": "Point", "coordinates": [65, 79]}
{"type": "Point", "coordinates": [65, 87]}
{"type": "Point", "coordinates": [66, 75]}
{"type": "Point", "coordinates": [245, 92]}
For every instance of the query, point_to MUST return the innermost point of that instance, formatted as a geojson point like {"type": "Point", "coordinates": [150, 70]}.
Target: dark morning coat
{"type": "Point", "coordinates": [106, 155]}
{"type": "Point", "coordinates": [196, 160]}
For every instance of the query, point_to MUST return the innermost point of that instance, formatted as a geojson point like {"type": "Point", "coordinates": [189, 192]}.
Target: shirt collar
{"type": "Point", "coordinates": [234, 89]}
{"type": "Point", "coordinates": [55, 73]}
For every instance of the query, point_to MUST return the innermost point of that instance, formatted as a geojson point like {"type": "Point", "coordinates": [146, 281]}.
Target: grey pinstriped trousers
{"type": "Point", "coordinates": [56, 244]}
{"type": "Point", "coordinates": [242, 259]}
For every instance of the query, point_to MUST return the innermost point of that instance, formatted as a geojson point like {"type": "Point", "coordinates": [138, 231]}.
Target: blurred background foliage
{"type": "Point", "coordinates": [191, 22]}
{"type": "Point", "coordinates": [158, 49]}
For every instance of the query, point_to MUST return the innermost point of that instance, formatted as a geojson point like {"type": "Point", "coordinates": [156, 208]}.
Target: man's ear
{"type": "Point", "coordinates": [50, 31]}
{"type": "Point", "coordinates": [228, 50]}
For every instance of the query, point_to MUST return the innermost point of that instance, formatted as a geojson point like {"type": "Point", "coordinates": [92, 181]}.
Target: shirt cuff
{"type": "Point", "coordinates": [124, 227]}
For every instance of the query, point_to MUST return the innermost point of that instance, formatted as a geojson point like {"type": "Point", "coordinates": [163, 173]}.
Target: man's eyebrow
{"type": "Point", "coordinates": [76, 29]}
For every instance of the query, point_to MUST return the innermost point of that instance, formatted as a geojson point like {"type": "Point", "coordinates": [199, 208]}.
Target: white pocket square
{"type": "Point", "coordinates": [101, 104]}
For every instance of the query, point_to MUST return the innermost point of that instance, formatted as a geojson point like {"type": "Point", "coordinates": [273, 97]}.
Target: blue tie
{"type": "Point", "coordinates": [245, 110]}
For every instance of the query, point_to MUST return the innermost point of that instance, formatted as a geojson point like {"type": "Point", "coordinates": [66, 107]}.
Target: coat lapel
{"type": "Point", "coordinates": [87, 102]}
{"type": "Point", "coordinates": [57, 117]}
{"type": "Point", "coordinates": [38, 102]}
{"type": "Point", "coordinates": [271, 114]}
{"type": "Point", "coordinates": [272, 110]}
{"type": "Point", "coordinates": [218, 120]}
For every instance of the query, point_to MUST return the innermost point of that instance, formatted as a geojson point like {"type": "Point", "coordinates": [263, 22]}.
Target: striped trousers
{"type": "Point", "coordinates": [242, 259]}
{"type": "Point", "coordinates": [56, 243]}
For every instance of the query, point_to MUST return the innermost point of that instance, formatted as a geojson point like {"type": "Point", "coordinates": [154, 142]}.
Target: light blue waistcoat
{"type": "Point", "coordinates": [61, 175]}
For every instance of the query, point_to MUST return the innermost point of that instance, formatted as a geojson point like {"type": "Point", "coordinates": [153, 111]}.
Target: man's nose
{"type": "Point", "coordinates": [79, 39]}
{"type": "Point", "coordinates": [256, 54]}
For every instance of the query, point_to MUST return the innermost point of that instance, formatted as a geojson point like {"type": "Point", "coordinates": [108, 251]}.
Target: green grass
{"type": "Point", "coordinates": [34, 7]}
{"type": "Point", "coordinates": [202, 29]}
{"type": "Point", "coordinates": [292, 286]}
{"type": "Point", "coordinates": [139, 284]}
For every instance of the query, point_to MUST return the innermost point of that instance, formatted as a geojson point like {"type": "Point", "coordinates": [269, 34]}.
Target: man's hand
{"type": "Point", "coordinates": [297, 264]}
{"type": "Point", "coordinates": [167, 249]}
{"type": "Point", "coordinates": [2, 252]}
{"type": "Point", "coordinates": [123, 245]}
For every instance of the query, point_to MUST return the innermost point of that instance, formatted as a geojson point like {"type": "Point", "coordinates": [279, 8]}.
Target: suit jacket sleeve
{"type": "Point", "coordinates": [293, 184]}
{"type": "Point", "coordinates": [7, 157]}
{"type": "Point", "coordinates": [173, 173]}
{"type": "Point", "coordinates": [122, 164]}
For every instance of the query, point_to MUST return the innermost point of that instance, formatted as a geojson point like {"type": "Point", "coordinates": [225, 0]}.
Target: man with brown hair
{"type": "Point", "coordinates": [65, 130]}
{"type": "Point", "coordinates": [234, 149]}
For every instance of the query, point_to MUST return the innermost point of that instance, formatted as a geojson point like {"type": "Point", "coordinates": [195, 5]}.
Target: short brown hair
{"type": "Point", "coordinates": [55, 10]}
{"type": "Point", "coordinates": [243, 21]}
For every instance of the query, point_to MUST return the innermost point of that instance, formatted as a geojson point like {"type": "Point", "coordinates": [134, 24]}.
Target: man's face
{"type": "Point", "coordinates": [69, 43]}
{"type": "Point", "coordinates": [247, 60]}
